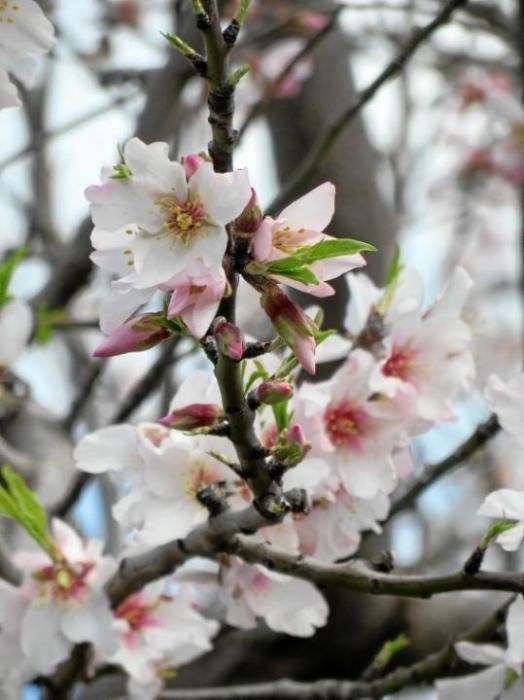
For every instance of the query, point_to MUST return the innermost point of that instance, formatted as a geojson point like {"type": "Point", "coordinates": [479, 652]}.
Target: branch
{"type": "Point", "coordinates": [327, 140]}
{"type": "Point", "coordinates": [483, 433]}
{"type": "Point", "coordinates": [423, 672]}
{"type": "Point", "coordinates": [360, 577]}
{"type": "Point", "coordinates": [260, 106]}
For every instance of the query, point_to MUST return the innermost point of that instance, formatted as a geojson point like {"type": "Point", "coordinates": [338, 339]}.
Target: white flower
{"type": "Point", "coordinates": [490, 684]}
{"type": "Point", "coordinates": [506, 399]}
{"type": "Point", "coordinates": [157, 222]}
{"type": "Point", "coordinates": [16, 324]}
{"type": "Point", "coordinates": [24, 29]}
{"type": "Point", "coordinates": [61, 602]}
{"type": "Point", "coordinates": [166, 470]}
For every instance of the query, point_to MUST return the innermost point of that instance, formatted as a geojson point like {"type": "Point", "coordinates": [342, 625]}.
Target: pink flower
{"type": "Point", "coordinates": [301, 224]}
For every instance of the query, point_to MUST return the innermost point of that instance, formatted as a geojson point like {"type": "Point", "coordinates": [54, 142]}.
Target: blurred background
{"type": "Point", "coordinates": [433, 162]}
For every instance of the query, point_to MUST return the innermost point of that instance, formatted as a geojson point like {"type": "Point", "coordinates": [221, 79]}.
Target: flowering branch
{"type": "Point", "coordinates": [420, 673]}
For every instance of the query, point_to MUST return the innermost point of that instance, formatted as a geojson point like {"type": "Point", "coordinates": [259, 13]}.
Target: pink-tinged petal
{"type": "Point", "coordinates": [16, 324]}
{"type": "Point", "coordinates": [109, 449]}
{"type": "Point", "coordinates": [199, 317]}
{"type": "Point", "coordinates": [224, 195]}
{"type": "Point", "coordinates": [334, 267]}
{"type": "Point", "coordinates": [320, 290]}
{"type": "Point", "coordinates": [26, 28]}
{"type": "Point", "coordinates": [312, 211]}
{"type": "Point", "coordinates": [263, 240]}
{"type": "Point", "coordinates": [191, 164]}
{"type": "Point", "coordinates": [179, 301]}
{"type": "Point", "coordinates": [120, 203]}
{"type": "Point", "coordinates": [151, 162]}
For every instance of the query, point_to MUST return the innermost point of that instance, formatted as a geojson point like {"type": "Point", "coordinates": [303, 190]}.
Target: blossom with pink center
{"type": "Point", "coordinates": [24, 29]}
{"type": "Point", "coordinates": [61, 602]}
{"type": "Point", "coordinates": [427, 354]}
{"type": "Point", "coordinates": [157, 631]}
{"type": "Point", "coordinates": [352, 428]}
{"type": "Point", "coordinates": [302, 223]}
{"type": "Point", "coordinates": [152, 222]}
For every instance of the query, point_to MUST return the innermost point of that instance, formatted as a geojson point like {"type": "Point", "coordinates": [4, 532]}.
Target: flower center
{"type": "Point", "coordinates": [136, 613]}
{"type": "Point", "coordinates": [64, 582]}
{"type": "Point", "coordinates": [400, 363]}
{"type": "Point", "coordinates": [183, 221]}
{"type": "Point", "coordinates": [344, 424]}
{"type": "Point", "coordinates": [286, 239]}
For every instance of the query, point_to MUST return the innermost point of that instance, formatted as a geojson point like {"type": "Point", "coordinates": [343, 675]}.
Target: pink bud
{"type": "Point", "coordinates": [313, 21]}
{"type": "Point", "coordinates": [296, 435]}
{"type": "Point", "coordinates": [274, 391]}
{"type": "Point", "coordinates": [229, 338]}
{"type": "Point", "coordinates": [251, 218]}
{"type": "Point", "coordinates": [191, 164]}
{"type": "Point", "coordinates": [292, 324]}
{"type": "Point", "coordinates": [138, 333]}
{"type": "Point", "coordinates": [196, 415]}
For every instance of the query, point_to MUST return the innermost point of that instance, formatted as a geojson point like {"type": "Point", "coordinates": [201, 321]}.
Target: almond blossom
{"type": "Point", "coordinates": [166, 470]}
{"type": "Point", "coordinates": [352, 428]}
{"type": "Point", "coordinates": [158, 631]}
{"type": "Point", "coordinates": [155, 222]}
{"type": "Point", "coordinates": [427, 355]}
{"type": "Point", "coordinates": [61, 601]}
{"type": "Point", "coordinates": [24, 30]}
{"type": "Point", "coordinates": [299, 224]}
{"type": "Point", "coordinates": [492, 683]}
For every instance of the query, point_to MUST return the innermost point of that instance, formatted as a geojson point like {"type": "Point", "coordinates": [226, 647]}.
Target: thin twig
{"type": "Point", "coordinates": [327, 140]}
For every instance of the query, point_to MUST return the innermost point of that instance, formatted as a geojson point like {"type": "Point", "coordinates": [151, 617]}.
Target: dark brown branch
{"type": "Point", "coordinates": [327, 140]}
{"type": "Point", "coordinates": [483, 433]}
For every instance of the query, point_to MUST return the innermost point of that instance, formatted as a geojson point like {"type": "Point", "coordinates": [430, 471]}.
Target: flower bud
{"type": "Point", "coordinates": [251, 217]}
{"type": "Point", "coordinates": [193, 416]}
{"type": "Point", "coordinates": [274, 391]}
{"type": "Point", "coordinates": [191, 164]}
{"type": "Point", "coordinates": [138, 333]}
{"type": "Point", "coordinates": [292, 324]}
{"type": "Point", "coordinates": [294, 447]}
{"type": "Point", "coordinates": [228, 338]}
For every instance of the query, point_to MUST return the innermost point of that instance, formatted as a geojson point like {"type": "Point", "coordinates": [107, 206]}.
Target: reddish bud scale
{"type": "Point", "coordinates": [251, 218]}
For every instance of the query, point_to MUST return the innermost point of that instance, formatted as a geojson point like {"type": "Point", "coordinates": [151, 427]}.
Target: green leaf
{"type": "Point", "coordinates": [326, 249]}
{"type": "Point", "coordinates": [394, 270]}
{"type": "Point", "coordinates": [499, 527]}
{"type": "Point", "coordinates": [281, 415]}
{"type": "Point", "coordinates": [299, 274]}
{"type": "Point", "coordinates": [19, 503]}
{"type": "Point", "coordinates": [7, 269]}
{"type": "Point", "coordinates": [259, 373]}
{"type": "Point", "coordinates": [120, 172]}
{"type": "Point", "coordinates": [510, 678]}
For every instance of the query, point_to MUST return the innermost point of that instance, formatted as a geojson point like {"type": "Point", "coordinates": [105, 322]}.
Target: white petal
{"type": "Point", "coordinates": [224, 195]}
{"type": "Point", "coordinates": [151, 161]}
{"type": "Point", "coordinates": [91, 621]}
{"type": "Point", "coordinates": [485, 685]}
{"type": "Point", "coordinates": [109, 449]}
{"type": "Point", "coordinates": [27, 28]}
{"type": "Point", "coordinates": [16, 323]}
{"type": "Point", "coordinates": [8, 92]}
{"type": "Point", "coordinates": [42, 640]}
{"type": "Point", "coordinates": [485, 654]}
{"type": "Point", "coordinates": [504, 503]}
{"type": "Point", "coordinates": [313, 211]}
